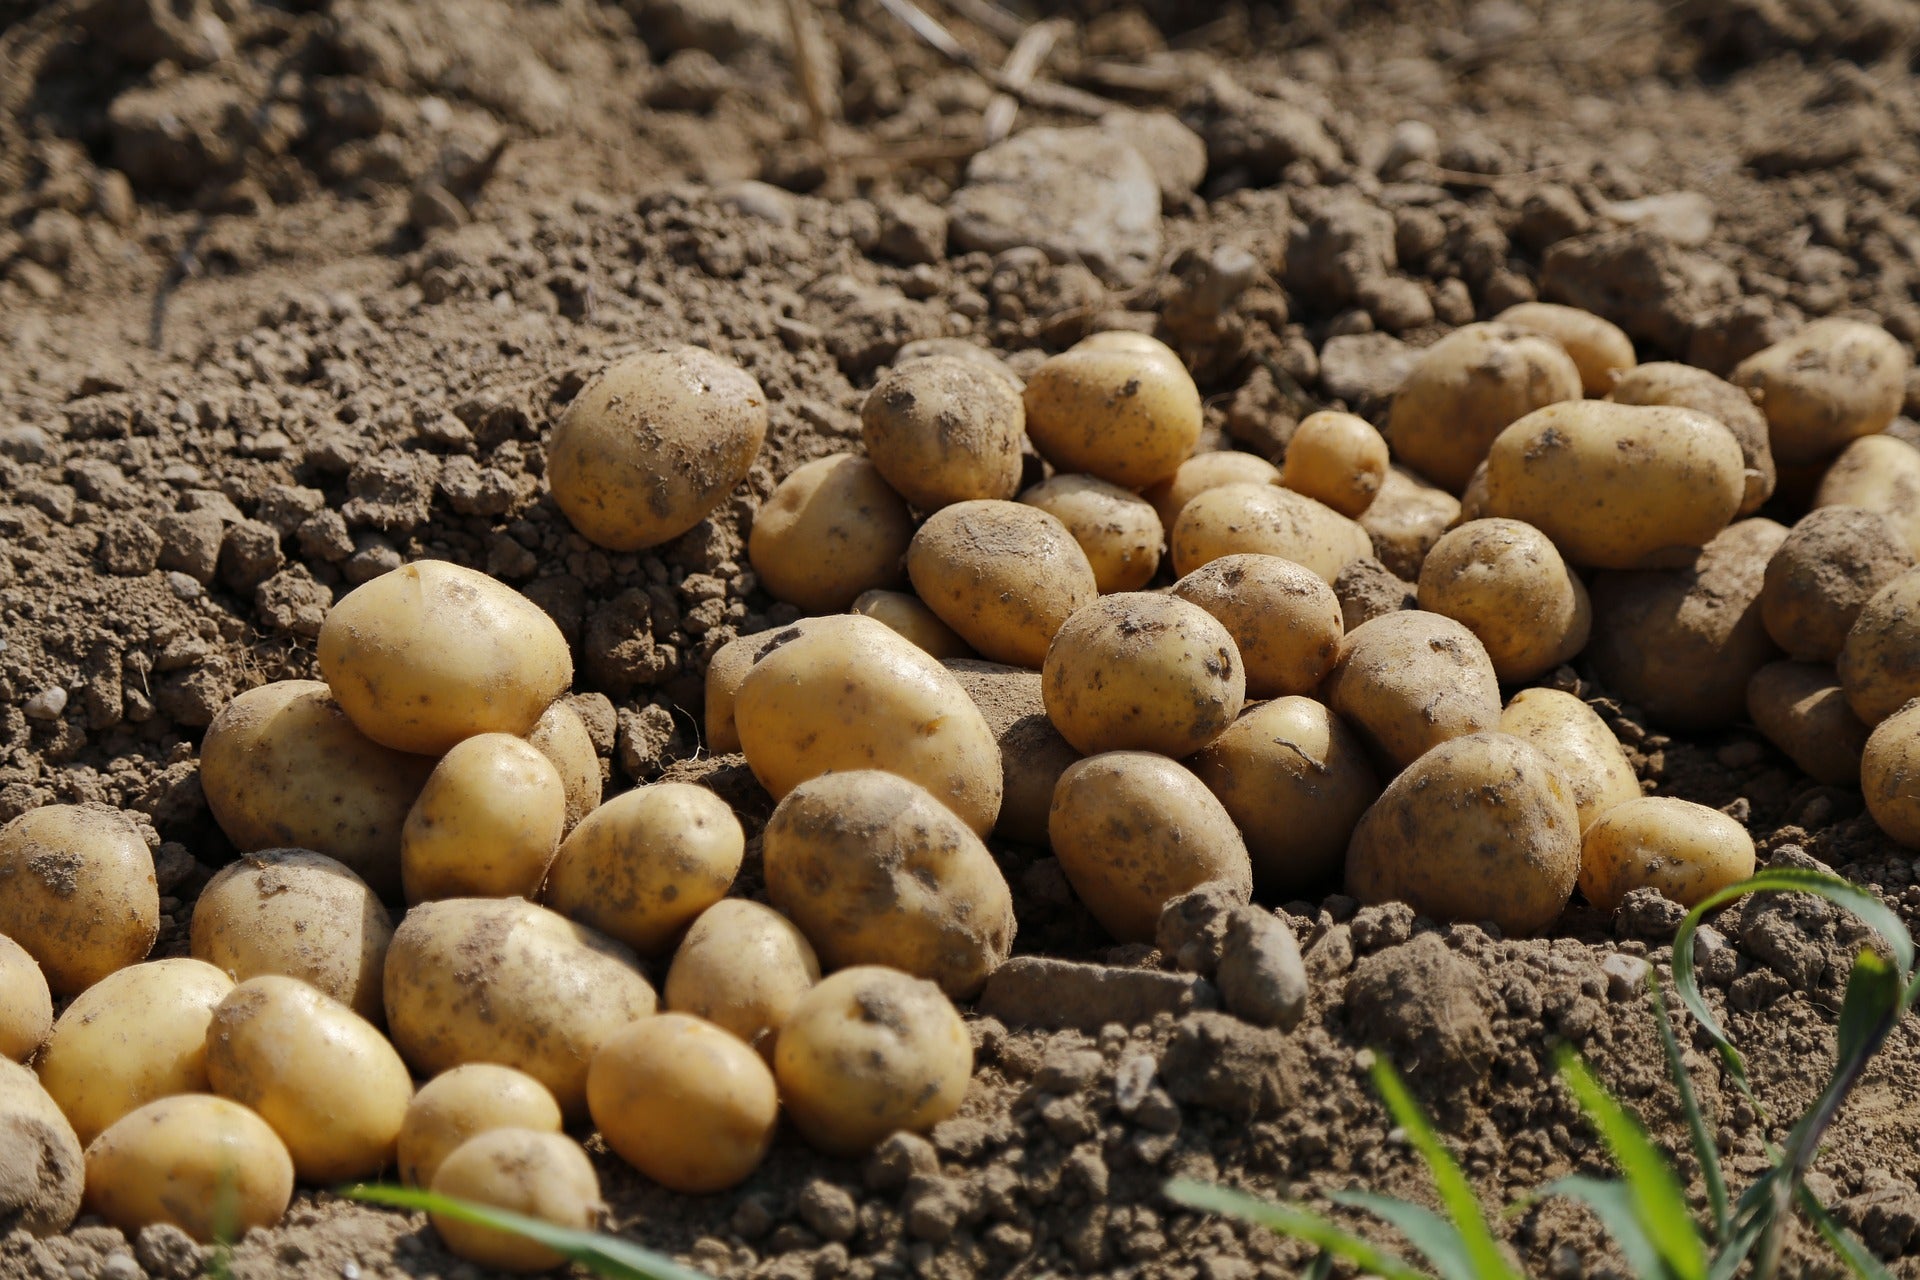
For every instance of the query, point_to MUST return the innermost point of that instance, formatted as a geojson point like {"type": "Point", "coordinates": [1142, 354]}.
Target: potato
{"type": "Point", "coordinates": [1466, 388]}
{"type": "Point", "coordinates": [136, 1035]}
{"type": "Point", "coordinates": [1600, 349]}
{"type": "Point", "coordinates": [1264, 519]}
{"type": "Point", "coordinates": [283, 768]}
{"type": "Point", "coordinates": [1829, 384]}
{"type": "Point", "coordinates": [1879, 664]}
{"type": "Point", "coordinates": [1336, 458]}
{"type": "Point", "coordinates": [300, 914]}
{"type": "Point", "coordinates": [1685, 850]}
{"type": "Point", "coordinates": [485, 980]}
{"type": "Point", "coordinates": [1129, 340]}
{"type": "Point", "coordinates": [561, 736]}
{"type": "Point", "coordinates": [42, 1169]}
{"type": "Point", "coordinates": [1002, 574]}
{"type": "Point", "coordinates": [1802, 710]}
{"type": "Point", "coordinates": [524, 1171]}
{"type": "Point", "coordinates": [1409, 681]}
{"type": "Point", "coordinates": [1283, 617]}
{"type": "Point", "coordinates": [959, 349]}
{"type": "Point", "coordinates": [203, 1164]}
{"type": "Point", "coordinates": [1880, 474]}
{"type": "Point", "coordinates": [1505, 582]}
{"type": "Point", "coordinates": [1409, 515]}
{"type": "Point", "coordinates": [829, 531]}
{"type": "Point", "coordinates": [1295, 780]}
{"type": "Point", "coordinates": [653, 444]}
{"type": "Point", "coordinates": [463, 1103]}
{"type": "Point", "coordinates": [1618, 486]}
{"type": "Point", "coordinates": [431, 653]}
{"type": "Point", "coordinates": [1033, 755]}
{"type": "Point", "coordinates": [644, 864]}
{"type": "Point", "coordinates": [868, 1052]}
{"type": "Point", "coordinates": [1823, 575]}
{"type": "Point", "coordinates": [1686, 387]}
{"type": "Point", "coordinates": [1473, 499]}
{"type": "Point", "coordinates": [1142, 672]}
{"type": "Point", "coordinates": [903, 612]}
{"type": "Point", "coordinates": [729, 666]}
{"type": "Point", "coordinates": [486, 824]}
{"type": "Point", "coordinates": [1204, 471]}
{"type": "Point", "coordinates": [326, 1081]}
{"type": "Point", "coordinates": [683, 1102]}
{"type": "Point", "coordinates": [1128, 416]}
{"type": "Point", "coordinates": [943, 430]}
{"type": "Point", "coordinates": [1118, 529]}
{"type": "Point", "coordinates": [77, 893]}
{"type": "Point", "coordinates": [1682, 643]}
{"type": "Point", "coordinates": [742, 967]}
{"type": "Point", "coordinates": [1889, 770]}
{"type": "Point", "coordinates": [1134, 831]}
{"type": "Point", "coordinates": [1482, 827]}
{"type": "Point", "coordinates": [26, 1005]}
{"type": "Point", "coordinates": [1577, 742]}
{"type": "Point", "coordinates": [857, 696]}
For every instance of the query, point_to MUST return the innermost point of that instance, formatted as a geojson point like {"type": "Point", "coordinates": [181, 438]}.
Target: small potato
{"type": "Point", "coordinates": [1133, 831]}
{"type": "Point", "coordinates": [42, 1166]}
{"type": "Point", "coordinates": [561, 736]}
{"type": "Point", "coordinates": [26, 1006]}
{"type": "Point", "coordinates": [1600, 349]}
{"type": "Point", "coordinates": [1577, 742]}
{"type": "Point", "coordinates": [1879, 664]}
{"type": "Point", "coordinates": [829, 531]}
{"type": "Point", "coordinates": [1409, 516]}
{"type": "Point", "coordinates": [653, 444]}
{"type": "Point", "coordinates": [855, 695]}
{"type": "Point", "coordinates": [77, 893]}
{"type": "Point", "coordinates": [203, 1164]}
{"type": "Point", "coordinates": [742, 967]}
{"type": "Point", "coordinates": [525, 1171]}
{"type": "Point", "coordinates": [283, 768]}
{"type": "Point", "coordinates": [1265, 519]}
{"type": "Point", "coordinates": [1482, 827]}
{"type": "Point", "coordinates": [1033, 755]}
{"type": "Point", "coordinates": [1618, 486]}
{"type": "Point", "coordinates": [1295, 780]}
{"type": "Point", "coordinates": [1142, 672]}
{"type": "Point", "coordinates": [1823, 575]}
{"type": "Point", "coordinates": [959, 349]}
{"type": "Point", "coordinates": [1685, 850]}
{"type": "Point", "coordinates": [1505, 582]}
{"type": "Point", "coordinates": [1336, 458]}
{"type": "Point", "coordinates": [1129, 340]}
{"type": "Point", "coordinates": [320, 1074]}
{"type": "Point", "coordinates": [134, 1036]}
{"type": "Point", "coordinates": [1890, 775]}
{"type": "Point", "coordinates": [644, 864]}
{"type": "Point", "coordinates": [1802, 710]}
{"type": "Point", "coordinates": [1284, 619]}
{"type": "Point", "coordinates": [1411, 680]}
{"type": "Point", "coordinates": [1879, 474]}
{"type": "Point", "coordinates": [1686, 387]}
{"type": "Point", "coordinates": [462, 1103]}
{"type": "Point", "coordinates": [1128, 416]}
{"type": "Point", "coordinates": [1829, 384]}
{"type": "Point", "coordinates": [1204, 471]}
{"type": "Point", "coordinates": [1002, 574]}
{"type": "Point", "coordinates": [1466, 388]}
{"type": "Point", "coordinates": [431, 653]}
{"type": "Point", "coordinates": [920, 625]}
{"type": "Point", "coordinates": [1118, 529]}
{"type": "Point", "coordinates": [943, 430]}
{"type": "Point", "coordinates": [868, 1052]}
{"type": "Point", "coordinates": [300, 914]}
{"type": "Point", "coordinates": [729, 666]}
{"type": "Point", "coordinates": [684, 1103]}
{"type": "Point", "coordinates": [486, 824]}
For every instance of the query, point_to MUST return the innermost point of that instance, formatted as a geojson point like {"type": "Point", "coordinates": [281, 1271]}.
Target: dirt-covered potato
{"type": "Point", "coordinates": [743, 967]}
{"type": "Point", "coordinates": [943, 430]}
{"type": "Point", "coordinates": [1618, 486]}
{"type": "Point", "coordinates": [1831, 383]}
{"type": "Point", "coordinates": [431, 653]}
{"type": "Point", "coordinates": [1265, 519]}
{"type": "Point", "coordinates": [299, 914]}
{"type": "Point", "coordinates": [645, 863]}
{"type": "Point", "coordinates": [868, 1052]}
{"type": "Point", "coordinates": [525, 1171]}
{"type": "Point", "coordinates": [1505, 582]}
{"type": "Point", "coordinates": [1033, 755]}
{"type": "Point", "coordinates": [1131, 417]}
{"type": "Point", "coordinates": [1831, 564]}
{"type": "Point", "coordinates": [1600, 349]}
{"type": "Point", "coordinates": [1117, 528]}
{"type": "Point", "coordinates": [561, 736]}
{"type": "Point", "coordinates": [855, 695]}
{"type": "Point", "coordinates": [729, 666]}
{"type": "Point", "coordinates": [875, 870]}
{"type": "Point", "coordinates": [77, 892]}
{"type": "Point", "coordinates": [1204, 471]}
{"type": "Point", "coordinates": [1003, 575]}
{"type": "Point", "coordinates": [1128, 340]}
{"type": "Point", "coordinates": [26, 1005]}
{"type": "Point", "coordinates": [653, 444]}
{"type": "Point", "coordinates": [1295, 780]}
{"type": "Point", "coordinates": [830, 530]}
{"type": "Point", "coordinates": [1409, 516]}
{"type": "Point", "coordinates": [1890, 775]}
{"type": "Point", "coordinates": [1466, 388]}
{"type": "Point", "coordinates": [1409, 681]}
{"type": "Point", "coordinates": [491, 980]}
{"type": "Point", "coordinates": [1133, 831]}
{"type": "Point", "coordinates": [326, 1081]}
{"type": "Point", "coordinates": [1142, 672]}
{"type": "Point", "coordinates": [42, 1165]}
{"type": "Point", "coordinates": [1482, 827]}
{"type": "Point", "coordinates": [486, 824]}
{"type": "Point", "coordinates": [1879, 664]}
{"type": "Point", "coordinates": [1879, 474]}
{"type": "Point", "coordinates": [959, 349]}
{"type": "Point", "coordinates": [1283, 617]}
{"type": "Point", "coordinates": [1577, 742]}
{"type": "Point", "coordinates": [462, 1103]}
{"type": "Point", "coordinates": [198, 1162]}
{"type": "Point", "coordinates": [1685, 387]}
{"type": "Point", "coordinates": [903, 611]}
{"type": "Point", "coordinates": [1802, 710]}
{"type": "Point", "coordinates": [683, 1102]}
{"type": "Point", "coordinates": [1685, 850]}
{"type": "Point", "coordinates": [1338, 459]}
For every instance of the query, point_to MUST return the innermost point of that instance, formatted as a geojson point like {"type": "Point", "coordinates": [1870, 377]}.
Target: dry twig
{"type": "Point", "coordinates": [1029, 55]}
{"type": "Point", "coordinates": [1035, 93]}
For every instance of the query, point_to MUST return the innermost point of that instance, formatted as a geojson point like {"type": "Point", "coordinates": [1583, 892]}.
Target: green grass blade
{"type": "Point", "coordinates": [1301, 1224]}
{"type": "Point", "coordinates": [1704, 1148]}
{"type": "Point", "coordinates": [1734, 1253]}
{"type": "Point", "coordinates": [1859, 1259]}
{"type": "Point", "coordinates": [1612, 1203]}
{"type": "Point", "coordinates": [1872, 1004]}
{"type": "Point", "coordinates": [1436, 1239]}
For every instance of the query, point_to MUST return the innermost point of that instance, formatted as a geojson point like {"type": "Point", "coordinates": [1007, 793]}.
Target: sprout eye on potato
{"type": "Point", "coordinates": [77, 893]}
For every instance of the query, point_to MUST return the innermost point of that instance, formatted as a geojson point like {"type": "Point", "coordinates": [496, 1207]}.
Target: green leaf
{"type": "Point", "coordinates": [1613, 1204]}
{"type": "Point", "coordinates": [1437, 1240]}
{"type": "Point", "coordinates": [1301, 1224]}
{"type": "Point", "coordinates": [1860, 1261]}
{"type": "Point", "coordinates": [1871, 1006]}
{"type": "Point", "coordinates": [1704, 1148]}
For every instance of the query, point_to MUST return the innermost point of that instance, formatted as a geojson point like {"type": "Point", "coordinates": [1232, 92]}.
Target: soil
{"type": "Point", "coordinates": [291, 292]}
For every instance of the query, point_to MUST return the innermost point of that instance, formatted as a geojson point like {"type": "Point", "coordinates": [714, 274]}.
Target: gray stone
{"type": "Point", "coordinates": [1261, 977]}
{"type": "Point", "coordinates": [1176, 154]}
{"type": "Point", "coordinates": [1058, 995]}
{"type": "Point", "coordinates": [1684, 217]}
{"type": "Point", "coordinates": [1364, 368]}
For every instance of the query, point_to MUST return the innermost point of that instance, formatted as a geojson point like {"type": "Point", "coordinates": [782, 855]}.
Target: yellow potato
{"type": "Point", "coordinates": [1336, 458]}
{"type": "Point", "coordinates": [1802, 710]}
{"type": "Point", "coordinates": [1411, 680]}
{"type": "Point", "coordinates": [1409, 516]}
{"type": "Point", "coordinates": [525, 1171]}
{"type": "Point", "coordinates": [1473, 501]}
{"type": "Point", "coordinates": [561, 736]}
{"type": "Point", "coordinates": [42, 1169]}
{"type": "Point", "coordinates": [1129, 340]}
{"type": "Point", "coordinates": [1890, 775]}
{"type": "Point", "coordinates": [945, 429]}
{"type": "Point", "coordinates": [462, 1103]}
{"type": "Point", "coordinates": [729, 666]}
{"type": "Point", "coordinates": [1117, 528]}
{"type": "Point", "coordinates": [26, 1006]}
{"type": "Point", "coordinates": [1577, 742]}
{"type": "Point", "coordinates": [959, 349]}
{"type": "Point", "coordinates": [1128, 416]}
{"type": "Point", "coordinates": [904, 613]}
{"type": "Point", "coordinates": [1142, 672]}
{"type": "Point", "coordinates": [1466, 388]}
{"type": "Point", "coordinates": [1033, 755]}
{"type": "Point", "coordinates": [77, 893]}
{"type": "Point", "coordinates": [1002, 574]}
{"type": "Point", "coordinates": [1879, 474]}
{"type": "Point", "coordinates": [1829, 384]}
{"type": "Point", "coordinates": [1685, 850]}
{"type": "Point", "coordinates": [1505, 582]}
{"type": "Point", "coordinates": [1600, 349]}
{"type": "Point", "coordinates": [486, 824]}
{"type": "Point", "coordinates": [1265, 519]}
{"type": "Point", "coordinates": [203, 1164]}
{"type": "Point", "coordinates": [1284, 619]}
{"type": "Point", "coordinates": [829, 531]}
{"type": "Point", "coordinates": [1823, 575]}
{"type": "Point", "coordinates": [742, 967]}
{"type": "Point", "coordinates": [1879, 663]}
{"type": "Point", "coordinates": [1204, 471]}
{"type": "Point", "coordinates": [1685, 387]}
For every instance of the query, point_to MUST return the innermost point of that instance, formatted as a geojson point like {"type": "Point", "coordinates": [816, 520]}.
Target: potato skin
{"type": "Point", "coordinates": [830, 530]}
{"type": "Point", "coordinates": [1033, 755]}
{"type": "Point", "coordinates": [653, 444]}
{"type": "Point", "coordinates": [1830, 565]}
{"type": "Point", "coordinates": [26, 1005]}
{"type": "Point", "coordinates": [1830, 383]}
{"type": "Point", "coordinates": [1131, 417]}
{"type": "Point", "coordinates": [1265, 519]}
{"type": "Point", "coordinates": [1283, 617]}
{"type": "Point", "coordinates": [1409, 681]}
{"type": "Point", "coordinates": [1803, 711]}
{"type": "Point", "coordinates": [561, 736]}
{"type": "Point", "coordinates": [1003, 575]}
{"type": "Point", "coordinates": [1686, 387]}
{"type": "Point", "coordinates": [1466, 388]}
{"type": "Point", "coordinates": [1482, 827]}
{"type": "Point", "coordinates": [201, 1163]}
{"type": "Point", "coordinates": [525, 1171]}
{"type": "Point", "coordinates": [42, 1166]}
{"type": "Point", "coordinates": [1117, 528]}
{"type": "Point", "coordinates": [1409, 515]}
{"type": "Point", "coordinates": [1505, 582]}
{"type": "Point", "coordinates": [1889, 767]}
{"type": "Point", "coordinates": [1685, 850]}
{"type": "Point", "coordinates": [1337, 459]}
{"type": "Point", "coordinates": [1600, 349]}
{"type": "Point", "coordinates": [1142, 672]}
{"type": "Point", "coordinates": [486, 824]}
{"type": "Point", "coordinates": [462, 1103]}
{"type": "Point", "coordinates": [1879, 663]}
{"type": "Point", "coordinates": [1204, 471]}
{"type": "Point", "coordinates": [743, 967]}
{"type": "Point", "coordinates": [77, 893]}
{"type": "Point", "coordinates": [919, 625]}
{"type": "Point", "coordinates": [1880, 474]}
{"type": "Point", "coordinates": [944, 429]}
{"type": "Point", "coordinates": [1577, 742]}
{"type": "Point", "coordinates": [729, 666]}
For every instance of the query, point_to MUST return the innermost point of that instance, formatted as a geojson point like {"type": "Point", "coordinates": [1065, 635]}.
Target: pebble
{"type": "Point", "coordinates": [1626, 975]}
{"type": "Point", "coordinates": [48, 704]}
{"type": "Point", "coordinates": [1261, 977]}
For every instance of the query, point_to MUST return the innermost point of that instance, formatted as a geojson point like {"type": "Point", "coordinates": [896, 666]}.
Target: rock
{"type": "Point", "coordinates": [1263, 136]}
{"type": "Point", "coordinates": [1684, 217]}
{"type": "Point", "coordinates": [829, 1211]}
{"type": "Point", "coordinates": [291, 601]}
{"type": "Point", "coordinates": [1637, 279]}
{"type": "Point", "coordinates": [1411, 142]}
{"type": "Point", "coordinates": [48, 704]}
{"type": "Point", "coordinates": [1176, 154]}
{"type": "Point", "coordinates": [648, 740]}
{"type": "Point", "coordinates": [1366, 589]}
{"type": "Point", "coordinates": [1626, 975]}
{"type": "Point", "coordinates": [1192, 931]}
{"type": "Point", "coordinates": [913, 229]}
{"type": "Point", "coordinates": [129, 548]}
{"type": "Point", "coordinates": [1341, 241]}
{"type": "Point", "coordinates": [249, 555]}
{"type": "Point", "coordinates": [1261, 977]}
{"type": "Point", "coordinates": [1226, 1065]}
{"type": "Point", "coordinates": [473, 490]}
{"type": "Point", "coordinates": [898, 1160]}
{"type": "Point", "coordinates": [1415, 1003]}
{"type": "Point", "coordinates": [1057, 995]}
{"type": "Point", "coordinates": [26, 444]}
{"type": "Point", "coordinates": [1364, 368]}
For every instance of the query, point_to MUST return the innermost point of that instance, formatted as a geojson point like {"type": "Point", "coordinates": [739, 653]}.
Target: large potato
{"type": "Point", "coordinates": [1823, 575]}
{"type": "Point", "coordinates": [1802, 710]}
{"type": "Point", "coordinates": [42, 1169]}
{"type": "Point", "coordinates": [1830, 383]}
{"type": "Point", "coordinates": [26, 1005]}
{"type": "Point", "coordinates": [77, 893]}
{"type": "Point", "coordinates": [1131, 417]}
{"type": "Point", "coordinates": [1686, 387]}
{"type": "Point", "coordinates": [1879, 474]}
{"type": "Point", "coordinates": [561, 736]}
{"type": "Point", "coordinates": [1577, 742]}
{"type": "Point", "coordinates": [524, 1171]}
{"type": "Point", "coordinates": [1409, 515]}
{"type": "Point", "coordinates": [1600, 349]}
{"type": "Point", "coordinates": [829, 531]}
{"type": "Point", "coordinates": [1879, 663]}
{"type": "Point", "coordinates": [742, 967]}
{"type": "Point", "coordinates": [203, 1164]}
{"type": "Point", "coordinates": [1466, 388]}
{"type": "Point", "coordinates": [1505, 582]}
{"type": "Point", "coordinates": [486, 824]}
{"type": "Point", "coordinates": [1338, 459]}
{"type": "Point", "coordinates": [1204, 471]}
{"type": "Point", "coordinates": [1685, 850]}
{"type": "Point", "coordinates": [729, 666]}
{"type": "Point", "coordinates": [462, 1103]}
{"type": "Point", "coordinates": [1409, 681]}
{"type": "Point", "coordinates": [903, 612]}
{"type": "Point", "coordinates": [653, 444]}
{"type": "Point", "coordinates": [874, 870]}
{"type": "Point", "coordinates": [1142, 672]}
{"type": "Point", "coordinates": [1117, 528]}
{"type": "Point", "coordinates": [1033, 755]}
{"type": "Point", "coordinates": [1265, 519]}
{"type": "Point", "coordinates": [1482, 827]}
{"type": "Point", "coordinates": [945, 429]}
{"type": "Point", "coordinates": [1283, 617]}
{"type": "Point", "coordinates": [1002, 574]}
